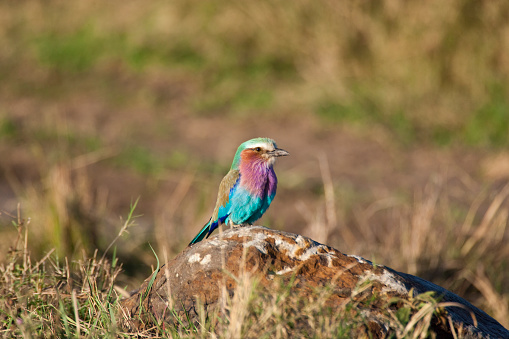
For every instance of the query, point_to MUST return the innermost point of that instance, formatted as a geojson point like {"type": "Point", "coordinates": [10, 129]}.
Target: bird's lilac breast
{"type": "Point", "coordinates": [258, 179]}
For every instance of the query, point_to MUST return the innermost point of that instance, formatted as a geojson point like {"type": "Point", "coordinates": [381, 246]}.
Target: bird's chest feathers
{"type": "Point", "coordinates": [257, 177]}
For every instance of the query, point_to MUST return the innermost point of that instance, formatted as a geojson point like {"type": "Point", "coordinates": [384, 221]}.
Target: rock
{"type": "Point", "coordinates": [206, 274]}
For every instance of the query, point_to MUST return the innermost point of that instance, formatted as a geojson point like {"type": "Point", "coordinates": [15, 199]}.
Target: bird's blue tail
{"type": "Point", "coordinates": [202, 234]}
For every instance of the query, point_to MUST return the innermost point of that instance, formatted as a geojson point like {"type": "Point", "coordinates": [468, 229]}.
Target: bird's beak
{"type": "Point", "coordinates": [278, 152]}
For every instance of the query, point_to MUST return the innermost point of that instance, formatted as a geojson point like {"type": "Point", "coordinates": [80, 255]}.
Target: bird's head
{"type": "Point", "coordinates": [259, 149]}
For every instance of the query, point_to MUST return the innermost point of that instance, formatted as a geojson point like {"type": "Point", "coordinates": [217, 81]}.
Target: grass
{"type": "Point", "coordinates": [490, 123]}
{"type": "Point", "coordinates": [57, 298]}
{"type": "Point", "coordinates": [74, 52]}
{"type": "Point", "coordinates": [379, 64]}
{"type": "Point", "coordinates": [52, 298]}
{"type": "Point", "coordinates": [8, 128]}
{"type": "Point", "coordinates": [146, 162]}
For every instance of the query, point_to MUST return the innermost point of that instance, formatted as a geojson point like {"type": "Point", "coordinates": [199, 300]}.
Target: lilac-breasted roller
{"type": "Point", "coordinates": [245, 193]}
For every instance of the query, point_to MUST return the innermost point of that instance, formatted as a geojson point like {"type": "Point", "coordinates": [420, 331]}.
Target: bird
{"type": "Point", "coordinates": [247, 190]}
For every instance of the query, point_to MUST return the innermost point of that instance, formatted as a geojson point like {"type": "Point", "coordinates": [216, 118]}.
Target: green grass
{"type": "Point", "coordinates": [364, 113]}
{"type": "Point", "coordinates": [71, 52]}
{"type": "Point", "coordinates": [59, 298]}
{"type": "Point", "coordinates": [338, 112]}
{"type": "Point", "coordinates": [489, 125]}
{"type": "Point", "coordinates": [8, 128]}
{"type": "Point", "coordinates": [44, 302]}
{"type": "Point", "coordinates": [438, 91]}
{"type": "Point", "coordinates": [146, 162]}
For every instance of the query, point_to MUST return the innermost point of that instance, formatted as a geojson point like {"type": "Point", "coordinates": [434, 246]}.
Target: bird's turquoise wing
{"type": "Point", "coordinates": [223, 205]}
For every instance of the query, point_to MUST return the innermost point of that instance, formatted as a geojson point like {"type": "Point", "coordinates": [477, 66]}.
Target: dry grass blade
{"type": "Point", "coordinates": [330, 201]}
{"type": "Point", "coordinates": [487, 222]}
{"type": "Point", "coordinates": [454, 304]}
{"type": "Point", "coordinates": [76, 315]}
{"type": "Point", "coordinates": [421, 224]}
{"type": "Point", "coordinates": [499, 303]}
{"type": "Point", "coordinates": [128, 223]}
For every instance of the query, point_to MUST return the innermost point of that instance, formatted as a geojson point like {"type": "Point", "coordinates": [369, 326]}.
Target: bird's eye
{"type": "Point", "coordinates": [258, 149]}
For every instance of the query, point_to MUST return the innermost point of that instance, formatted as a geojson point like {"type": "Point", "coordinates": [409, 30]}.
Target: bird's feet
{"type": "Point", "coordinates": [232, 225]}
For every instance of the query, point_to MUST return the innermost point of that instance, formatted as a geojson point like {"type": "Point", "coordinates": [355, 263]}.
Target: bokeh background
{"type": "Point", "coordinates": [396, 115]}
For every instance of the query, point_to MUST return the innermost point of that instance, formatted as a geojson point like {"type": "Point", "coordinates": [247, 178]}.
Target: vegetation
{"type": "Point", "coordinates": [50, 298]}
{"type": "Point", "coordinates": [396, 116]}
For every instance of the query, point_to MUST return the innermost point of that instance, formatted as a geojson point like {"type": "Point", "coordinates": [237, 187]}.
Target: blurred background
{"type": "Point", "coordinates": [396, 115]}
